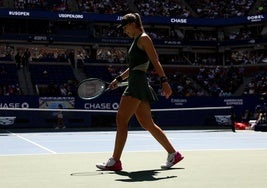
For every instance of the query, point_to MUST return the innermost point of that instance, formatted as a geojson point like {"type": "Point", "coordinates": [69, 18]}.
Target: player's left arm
{"type": "Point", "coordinates": [147, 45]}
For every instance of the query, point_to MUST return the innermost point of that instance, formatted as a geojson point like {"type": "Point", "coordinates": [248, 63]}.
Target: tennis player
{"type": "Point", "coordinates": [139, 94]}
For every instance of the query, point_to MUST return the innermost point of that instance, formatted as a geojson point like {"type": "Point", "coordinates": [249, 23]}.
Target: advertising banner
{"type": "Point", "coordinates": [93, 17]}
{"type": "Point", "coordinates": [176, 111]}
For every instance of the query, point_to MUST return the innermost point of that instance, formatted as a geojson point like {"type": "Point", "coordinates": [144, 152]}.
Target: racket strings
{"type": "Point", "coordinates": [91, 89]}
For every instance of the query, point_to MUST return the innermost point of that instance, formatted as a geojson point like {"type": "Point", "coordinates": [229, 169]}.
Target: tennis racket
{"type": "Point", "coordinates": [94, 87]}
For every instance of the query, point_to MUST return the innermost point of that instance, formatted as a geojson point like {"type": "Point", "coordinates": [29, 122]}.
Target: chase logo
{"type": "Point", "coordinates": [7, 120]}
{"type": "Point", "coordinates": [177, 20]}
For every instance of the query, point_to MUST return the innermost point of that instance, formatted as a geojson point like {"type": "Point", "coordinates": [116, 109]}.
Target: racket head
{"type": "Point", "coordinates": [91, 88]}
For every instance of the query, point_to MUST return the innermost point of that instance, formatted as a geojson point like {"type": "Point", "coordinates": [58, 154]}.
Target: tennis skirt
{"type": "Point", "coordinates": [138, 87]}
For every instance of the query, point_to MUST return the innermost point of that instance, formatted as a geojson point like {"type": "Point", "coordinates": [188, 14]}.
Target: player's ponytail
{"type": "Point", "coordinates": [138, 21]}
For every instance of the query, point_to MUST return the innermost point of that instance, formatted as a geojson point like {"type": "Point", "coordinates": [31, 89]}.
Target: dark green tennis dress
{"type": "Point", "coordinates": [138, 86]}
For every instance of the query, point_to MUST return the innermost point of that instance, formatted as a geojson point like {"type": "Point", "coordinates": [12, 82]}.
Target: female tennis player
{"type": "Point", "coordinates": [139, 94]}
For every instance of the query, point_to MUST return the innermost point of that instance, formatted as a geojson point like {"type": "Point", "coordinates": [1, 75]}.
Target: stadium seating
{"type": "Point", "coordinates": [48, 73]}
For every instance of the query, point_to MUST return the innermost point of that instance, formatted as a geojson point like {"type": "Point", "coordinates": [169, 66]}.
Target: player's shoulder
{"type": "Point", "coordinates": [145, 37]}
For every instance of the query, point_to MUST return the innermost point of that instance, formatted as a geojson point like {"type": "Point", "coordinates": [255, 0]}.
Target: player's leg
{"type": "Point", "coordinates": [127, 108]}
{"type": "Point", "coordinates": [144, 117]}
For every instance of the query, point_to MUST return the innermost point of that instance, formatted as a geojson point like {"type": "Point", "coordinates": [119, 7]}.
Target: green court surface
{"type": "Point", "coordinates": [202, 168]}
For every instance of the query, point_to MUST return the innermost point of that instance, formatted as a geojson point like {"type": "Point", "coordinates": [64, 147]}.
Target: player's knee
{"type": "Point", "coordinates": [146, 124]}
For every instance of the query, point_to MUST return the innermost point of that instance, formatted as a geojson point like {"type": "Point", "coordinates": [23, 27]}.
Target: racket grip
{"type": "Point", "coordinates": [121, 84]}
{"type": "Point", "coordinates": [119, 78]}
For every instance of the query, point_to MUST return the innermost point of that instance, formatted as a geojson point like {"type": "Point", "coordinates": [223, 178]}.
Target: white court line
{"type": "Point", "coordinates": [34, 143]}
{"type": "Point", "coordinates": [134, 151]}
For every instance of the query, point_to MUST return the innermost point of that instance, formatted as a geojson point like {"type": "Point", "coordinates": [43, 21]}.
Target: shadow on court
{"type": "Point", "coordinates": [144, 175]}
{"type": "Point", "coordinates": [135, 176]}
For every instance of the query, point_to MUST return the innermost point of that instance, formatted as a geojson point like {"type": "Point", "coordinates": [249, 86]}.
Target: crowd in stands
{"type": "Point", "coordinates": [257, 85]}
{"type": "Point", "coordinates": [238, 56]}
{"type": "Point", "coordinates": [241, 56]}
{"type": "Point", "coordinates": [182, 84]}
{"type": "Point", "coordinates": [186, 35]}
{"type": "Point", "coordinates": [48, 5]}
{"type": "Point", "coordinates": [6, 52]}
{"type": "Point", "coordinates": [220, 81]}
{"type": "Point", "coordinates": [217, 8]}
{"type": "Point", "coordinates": [112, 55]}
{"type": "Point", "coordinates": [205, 59]}
{"type": "Point", "coordinates": [53, 79]}
{"type": "Point", "coordinates": [8, 84]}
{"type": "Point", "coordinates": [262, 8]}
{"type": "Point", "coordinates": [10, 90]}
{"type": "Point", "coordinates": [211, 79]}
{"type": "Point", "coordinates": [156, 33]}
{"type": "Point", "coordinates": [243, 34]}
{"type": "Point", "coordinates": [199, 35]}
{"type": "Point", "coordinates": [172, 59]}
{"type": "Point", "coordinates": [245, 56]}
{"type": "Point", "coordinates": [103, 7]}
{"type": "Point", "coordinates": [167, 8]}
{"type": "Point", "coordinates": [96, 6]}
{"type": "Point", "coordinates": [65, 89]}
{"type": "Point", "coordinates": [199, 8]}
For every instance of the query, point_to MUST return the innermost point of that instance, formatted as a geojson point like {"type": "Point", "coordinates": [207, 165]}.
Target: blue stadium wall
{"type": "Point", "coordinates": [183, 116]}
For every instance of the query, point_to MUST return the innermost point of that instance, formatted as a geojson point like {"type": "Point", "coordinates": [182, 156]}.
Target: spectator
{"type": "Point", "coordinates": [60, 122]}
{"type": "Point", "coordinates": [26, 57]}
{"type": "Point", "coordinates": [18, 60]}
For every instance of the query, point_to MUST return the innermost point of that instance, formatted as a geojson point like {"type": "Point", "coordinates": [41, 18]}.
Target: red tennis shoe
{"type": "Point", "coordinates": [172, 159]}
{"type": "Point", "coordinates": [111, 165]}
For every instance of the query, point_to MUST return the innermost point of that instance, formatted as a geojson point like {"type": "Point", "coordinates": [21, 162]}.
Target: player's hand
{"type": "Point", "coordinates": [113, 84]}
{"type": "Point", "coordinates": [166, 90]}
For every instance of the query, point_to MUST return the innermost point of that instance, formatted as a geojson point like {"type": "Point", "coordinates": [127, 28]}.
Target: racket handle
{"type": "Point", "coordinates": [121, 84]}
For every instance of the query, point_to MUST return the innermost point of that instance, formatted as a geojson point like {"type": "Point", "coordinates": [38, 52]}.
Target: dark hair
{"type": "Point", "coordinates": [130, 18]}
{"type": "Point", "coordinates": [138, 20]}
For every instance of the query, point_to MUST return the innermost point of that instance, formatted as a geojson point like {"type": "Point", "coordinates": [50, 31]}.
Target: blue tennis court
{"type": "Point", "coordinates": [89, 142]}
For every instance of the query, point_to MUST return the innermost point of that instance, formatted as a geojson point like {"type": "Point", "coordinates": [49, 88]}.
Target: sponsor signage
{"type": "Point", "coordinates": [33, 14]}
{"type": "Point", "coordinates": [101, 106]}
{"type": "Point", "coordinates": [7, 120]}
